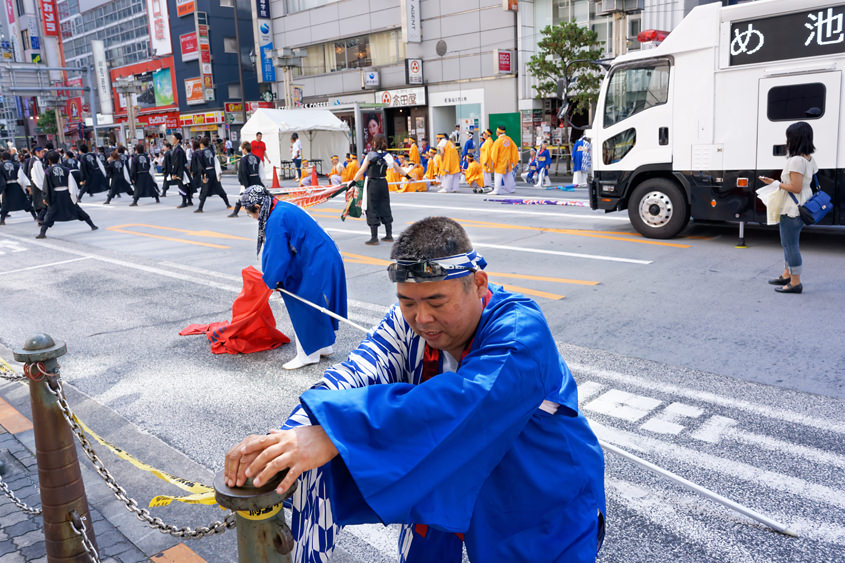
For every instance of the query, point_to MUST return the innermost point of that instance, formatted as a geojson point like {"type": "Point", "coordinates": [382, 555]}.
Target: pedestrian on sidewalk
{"type": "Point", "coordinates": [142, 179]}
{"type": "Point", "coordinates": [60, 192]}
{"type": "Point", "coordinates": [795, 180]}
{"type": "Point", "coordinates": [118, 177]}
{"type": "Point", "coordinates": [455, 398]}
{"type": "Point", "coordinates": [248, 174]}
{"type": "Point", "coordinates": [375, 167]}
{"type": "Point", "coordinates": [210, 175]}
{"type": "Point", "coordinates": [300, 257]}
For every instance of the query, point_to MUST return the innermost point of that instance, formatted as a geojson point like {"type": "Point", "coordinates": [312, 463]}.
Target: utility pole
{"type": "Point", "coordinates": [128, 87]}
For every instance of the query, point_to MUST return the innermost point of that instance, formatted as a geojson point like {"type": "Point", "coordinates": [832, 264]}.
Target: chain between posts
{"type": "Point", "coordinates": [218, 527]}
{"type": "Point", "coordinates": [77, 524]}
{"type": "Point", "coordinates": [7, 373]}
{"type": "Point", "coordinates": [19, 503]}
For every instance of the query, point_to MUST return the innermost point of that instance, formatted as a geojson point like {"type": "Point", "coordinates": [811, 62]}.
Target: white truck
{"type": "Point", "coordinates": [684, 130]}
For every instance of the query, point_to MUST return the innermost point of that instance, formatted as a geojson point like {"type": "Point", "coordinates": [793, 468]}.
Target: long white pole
{"type": "Point", "coordinates": [774, 524]}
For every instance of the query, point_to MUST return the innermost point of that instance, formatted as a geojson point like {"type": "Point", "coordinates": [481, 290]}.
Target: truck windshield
{"type": "Point", "coordinates": [635, 89]}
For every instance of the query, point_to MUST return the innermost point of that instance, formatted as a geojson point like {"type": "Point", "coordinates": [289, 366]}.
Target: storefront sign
{"type": "Point", "coordinates": [159, 28]}
{"type": "Point", "coordinates": [265, 50]}
{"type": "Point", "coordinates": [234, 112]}
{"type": "Point", "coordinates": [456, 97]}
{"type": "Point", "coordinates": [262, 9]}
{"type": "Point", "coordinates": [185, 7]}
{"type": "Point", "coordinates": [193, 91]}
{"type": "Point", "coordinates": [10, 11]}
{"type": "Point", "coordinates": [371, 79]}
{"type": "Point", "coordinates": [411, 22]}
{"type": "Point", "coordinates": [189, 46]}
{"type": "Point", "coordinates": [402, 98]}
{"type": "Point", "coordinates": [510, 5]}
{"type": "Point", "coordinates": [204, 118]}
{"type": "Point", "coordinates": [101, 72]}
{"type": "Point", "coordinates": [503, 59]}
{"type": "Point", "coordinates": [50, 18]}
{"type": "Point", "coordinates": [413, 71]}
{"type": "Point", "coordinates": [204, 44]}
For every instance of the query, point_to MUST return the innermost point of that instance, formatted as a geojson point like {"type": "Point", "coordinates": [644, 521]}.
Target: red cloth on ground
{"type": "Point", "coordinates": [253, 326]}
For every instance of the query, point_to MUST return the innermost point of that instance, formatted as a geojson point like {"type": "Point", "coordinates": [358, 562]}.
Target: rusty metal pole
{"type": "Point", "coordinates": [263, 534]}
{"type": "Point", "coordinates": [59, 476]}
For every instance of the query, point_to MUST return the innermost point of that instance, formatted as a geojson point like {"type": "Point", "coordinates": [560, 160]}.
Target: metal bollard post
{"type": "Point", "coordinates": [263, 534]}
{"type": "Point", "coordinates": [59, 476]}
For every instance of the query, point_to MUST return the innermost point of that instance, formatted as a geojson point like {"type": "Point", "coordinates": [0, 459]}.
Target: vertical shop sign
{"type": "Point", "coordinates": [204, 44]}
{"type": "Point", "coordinates": [101, 72]}
{"type": "Point", "coordinates": [159, 28]}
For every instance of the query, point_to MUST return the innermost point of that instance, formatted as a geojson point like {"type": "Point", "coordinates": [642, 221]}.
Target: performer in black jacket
{"type": "Point", "coordinates": [210, 176]}
{"type": "Point", "coordinates": [59, 191]}
{"type": "Point", "coordinates": [72, 163]}
{"type": "Point", "coordinates": [248, 174]}
{"type": "Point", "coordinates": [179, 172]}
{"type": "Point", "coordinates": [33, 169]}
{"type": "Point", "coordinates": [93, 173]}
{"type": "Point", "coordinates": [139, 172]}
{"type": "Point", "coordinates": [196, 168]}
{"type": "Point", "coordinates": [13, 196]}
{"type": "Point", "coordinates": [166, 165]}
{"type": "Point", "coordinates": [118, 176]}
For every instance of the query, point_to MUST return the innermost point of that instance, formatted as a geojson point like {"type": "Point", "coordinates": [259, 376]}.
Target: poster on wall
{"type": "Point", "coordinates": [372, 122]}
{"type": "Point", "coordinates": [73, 108]}
{"type": "Point", "coordinates": [163, 87]}
{"type": "Point", "coordinates": [193, 91]}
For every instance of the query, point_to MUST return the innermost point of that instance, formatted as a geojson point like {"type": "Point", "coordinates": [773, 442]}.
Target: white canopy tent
{"type": "Point", "coordinates": [321, 132]}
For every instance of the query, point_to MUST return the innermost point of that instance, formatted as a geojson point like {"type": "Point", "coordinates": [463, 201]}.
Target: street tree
{"type": "Point", "coordinates": [47, 122]}
{"type": "Point", "coordinates": [560, 45]}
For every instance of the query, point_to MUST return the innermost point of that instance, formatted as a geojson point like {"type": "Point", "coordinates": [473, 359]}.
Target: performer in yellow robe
{"type": "Point", "coordinates": [474, 176]}
{"type": "Point", "coordinates": [413, 151]}
{"type": "Point", "coordinates": [433, 171]}
{"type": "Point", "coordinates": [504, 156]}
{"type": "Point", "coordinates": [416, 172]}
{"type": "Point", "coordinates": [486, 163]}
{"type": "Point", "coordinates": [305, 179]}
{"type": "Point", "coordinates": [350, 169]}
{"type": "Point", "coordinates": [450, 164]}
{"type": "Point", "coordinates": [393, 177]}
{"type": "Point", "coordinates": [336, 173]}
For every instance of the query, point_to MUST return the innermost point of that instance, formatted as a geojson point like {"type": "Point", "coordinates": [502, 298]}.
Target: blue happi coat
{"type": "Point", "coordinates": [303, 258]}
{"type": "Point", "coordinates": [469, 451]}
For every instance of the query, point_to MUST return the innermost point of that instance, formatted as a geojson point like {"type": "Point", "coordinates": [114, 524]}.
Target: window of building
{"type": "Point", "coordinates": [377, 49]}
{"type": "Point", "coordinates": [292, 6]}
{"type": "Point", "coordinates": [234, 91]}
{"type": "Point", "coordinates": [796, 102]}
{"type": "Point", "coordinates": [227, 3]}
{"type": "Point", "coordinates": [635, 89]}
{"type": "Point", "coordinates": [230, 45]}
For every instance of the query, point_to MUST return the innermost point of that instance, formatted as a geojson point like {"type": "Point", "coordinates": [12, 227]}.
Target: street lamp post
{"type": "Point", "coordinates": [127, 88]}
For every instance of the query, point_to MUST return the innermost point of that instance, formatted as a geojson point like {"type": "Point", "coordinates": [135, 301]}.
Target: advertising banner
{"type": "Point", "coordinates": [193, 91]}
{"type": "Point", "coordinates": [163, 86]}
{"type": "Point", "coordinates": [50, 17]}
{"type": "Point", "coordinates": [73, 108]}
{"type": "Point", "coordinates": [101, 72]}
{"type": "Point", "coordinates": [10, 11]}
{"type": "Point", "coordinates": [185, 7]}
{"type": "Point", "coordinates": [204, 44]}
{"type": "Point", "coordinates": [265, 48]}
{"type": "Point", "coordinates": [189, 47]}
{"type": "Point", "coordinates": [159, 28]}
{"type": "Point", "coordinates": [413, 71]}
{"type": "Point", "coordinates": [411, 23]}
{"type": "Point", "coordinates": [262, 9]}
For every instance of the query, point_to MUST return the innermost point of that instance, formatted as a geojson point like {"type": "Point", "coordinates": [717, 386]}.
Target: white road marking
{"type": "Point", "coordinates": [736, 469]}
{"type": "Point", "coordinates": [714, 429]}
{"type": "Point", "coordinates": [666, 421]}
{"type": "Point", "coordinates": [624, 405]}
{"type": "Point", "coordinates": [796, 450]}
{"type": "Point", "coordinates": [511, 211]}
{"type": "Point", "coordinates": [11, 246]}
{"type": "Point", "coordinates": [51, 264]}
{"type": "Point", "coordinates": [779, 413]}
{"type": "Point", "coordinates": [588, 390]}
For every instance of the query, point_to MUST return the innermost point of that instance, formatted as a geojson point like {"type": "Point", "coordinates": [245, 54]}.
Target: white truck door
{"type": "Point", "coordinates": [784, 100]}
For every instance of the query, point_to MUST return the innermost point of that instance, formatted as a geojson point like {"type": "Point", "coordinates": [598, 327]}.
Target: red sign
{"type": "Point", "coordinates": [233, 107]}
{"type": "Point", "coordinates": [10, 11]}
{"type": "Point", "coordinates": [74, 107]}
{"type": "Point", "coordinates": [193, 91]}
{"type": "Point", "coordinates": [184, 7]}
{"type": "Point", "coordinates": [50, 17]}
{"type": "Point", "coordinates": [190, 46]}
{"type": "Point", "coordinates": [505, 62]}
{"type": "Point", "coordinates": [169, 120]}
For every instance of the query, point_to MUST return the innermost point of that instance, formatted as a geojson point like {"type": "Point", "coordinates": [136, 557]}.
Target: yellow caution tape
{"type": "Point", "coordinates": [200, 494]}
{"type": "Point", "coordinates": [262, 514]}
{"type": "Point", "coordinates": [5, 367]}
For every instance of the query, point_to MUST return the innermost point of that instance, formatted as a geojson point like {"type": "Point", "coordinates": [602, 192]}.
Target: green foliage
{"type": "Point", "coordinates": [561, 44]}
{"type": "Point", "coordinates": [47, 122]}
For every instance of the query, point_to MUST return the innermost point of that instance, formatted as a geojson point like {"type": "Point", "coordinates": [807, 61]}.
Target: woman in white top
{"type": "Point", "coordinates": [795, 181]}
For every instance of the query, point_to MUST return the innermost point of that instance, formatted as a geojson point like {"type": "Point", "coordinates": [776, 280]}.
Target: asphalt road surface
{"type": "Point", "coordinates": [683, 354]}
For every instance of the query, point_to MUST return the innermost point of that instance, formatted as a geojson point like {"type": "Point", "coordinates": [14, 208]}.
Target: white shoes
{"type": "Point", "coordinates": [302, 359]}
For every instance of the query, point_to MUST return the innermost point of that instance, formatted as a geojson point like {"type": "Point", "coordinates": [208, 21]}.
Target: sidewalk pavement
{"type": "Point", "coordinates": [121, 537]}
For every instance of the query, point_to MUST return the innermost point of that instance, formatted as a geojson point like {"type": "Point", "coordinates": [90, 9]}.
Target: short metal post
{"type": "Point", "coordinates": [263, 534]}
{"type": "Point", "coordinates": [741, 242]}
{"type": "Point", "coordinates": [59, 475]}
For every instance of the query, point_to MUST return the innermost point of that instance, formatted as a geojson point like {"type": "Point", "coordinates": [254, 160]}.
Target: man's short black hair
{"type": "Point", "coordinates": [84, 148]}
{"type": "Point", "coordinates": [178, 136]}
{"type": "Point", "coordinates": [53, 157]}
{"type": "Point", "coordinates": [431, 238]}
{"type": "Point", "coordinates": [799, 139]}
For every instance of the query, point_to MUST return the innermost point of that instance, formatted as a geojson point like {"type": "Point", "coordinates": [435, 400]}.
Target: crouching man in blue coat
{"type": "Point", "coordinates": [456, 417]}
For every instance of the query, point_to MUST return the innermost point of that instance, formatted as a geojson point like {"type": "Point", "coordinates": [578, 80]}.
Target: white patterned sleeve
{"type": "Point", "coordinates": [382, 357]}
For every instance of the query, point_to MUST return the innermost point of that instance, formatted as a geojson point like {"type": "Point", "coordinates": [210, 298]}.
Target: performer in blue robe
{"type": "Point", "coordinates": [544, 161]}
{"type": "Point", "coordinates": [469, 148]}
{"type": "Point", "coordinates": [456, 415]}
{"type": "Point", "coordinates": [299, 256]}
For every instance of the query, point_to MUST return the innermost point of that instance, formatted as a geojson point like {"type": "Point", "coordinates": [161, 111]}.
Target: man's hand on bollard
{"type": "Point", "coordinates": [261, 457]}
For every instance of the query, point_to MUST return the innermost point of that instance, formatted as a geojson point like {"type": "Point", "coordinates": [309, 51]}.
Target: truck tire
{"type": "Point", "coordinates": [658, 209]}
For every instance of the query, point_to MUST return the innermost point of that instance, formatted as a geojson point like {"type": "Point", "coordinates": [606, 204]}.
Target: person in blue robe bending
{"type": "Point", "coordinates": [530, 174]}
{"type": "Point", "coordinates": [300, 257]}
{"type": "Point", "coordinates": [456, 417]}
{"type": "Point", "coordinates": [544, 161]}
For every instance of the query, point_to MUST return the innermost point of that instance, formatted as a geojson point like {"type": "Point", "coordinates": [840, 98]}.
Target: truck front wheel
{"type": "Point", "coordinates": [658, 209]}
